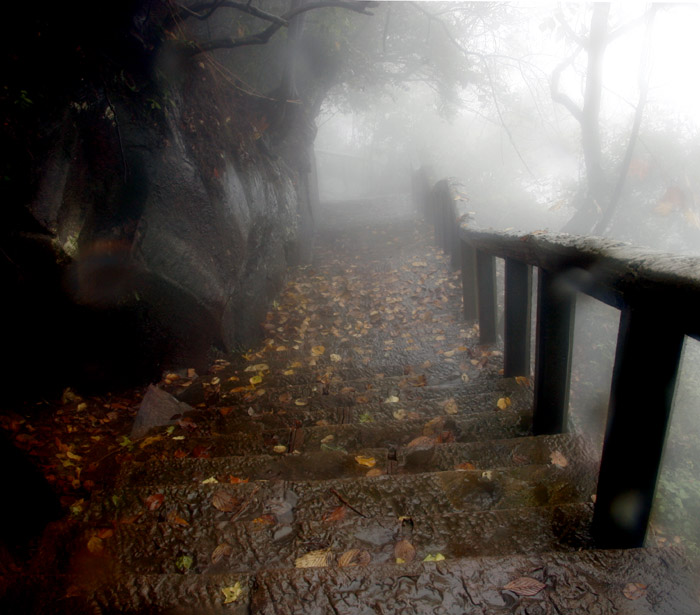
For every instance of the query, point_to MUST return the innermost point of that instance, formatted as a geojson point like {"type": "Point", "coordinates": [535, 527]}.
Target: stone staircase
{"type": "Point", "coordinates": [367, 458]}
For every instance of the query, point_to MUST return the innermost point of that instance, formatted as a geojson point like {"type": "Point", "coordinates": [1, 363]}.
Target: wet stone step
{"type": "Point", "coordinates": [571, 583]}
{"type": "Point", "coordinates": [329, 464]}
{"type": "Point", "coordinates": [434, 493]}
{"type": "Point", "coordinates": [255, 438]}
{"type": "Point", "coordinates": [305, 412]}
{"type": "Point", "coordinates": [266, 544]}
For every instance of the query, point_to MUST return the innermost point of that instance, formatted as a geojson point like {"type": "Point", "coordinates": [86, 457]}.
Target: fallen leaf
{"type": "Point", "coordinates": [233, 593]}
{"type": "Point", "coordinates": [234, 480]}
{"type": "Point", "coordinates": [256, 379]}
{"type": "Point", "coordinates": [434, 426]}
{"type": "Point", "coordinates": [365, 417]}
{"type": "Point", "coordinates": [466, 465]}
{"type": "Point", "coordinates": [300, 402]}
{"type": "Point", "coordinates": [336, 358]}
{"type": "Point", "coordinates": [421, 442]}
{"type": "Point", "coordinates": [184, 562]}
{"type": "Point", "coordinates": [222, 551]}
{"type": "Point", "coordinates": [260, 367]}
{"type": "Point", "coordinates": [317, 351]}
{"type": "Point", "coordinates": [374, 472]}
{"type": "Point", "coordinates": [503, 403]}
{"type": "Point", "coordinates": [438, 557]}
{"type": "Point", "coordinates": [337, 514]}
{"type": "Point", "coordinates": [522, 380]}
{"type": "Point", "coordinates": [95, 545]}
{"type": "Point", "coordinates": [634, 591]}
{"type": "Point", "coordinates": [392, 399]}
{"type": "Point", "coordinates": [525, 586]}
{"type": "Point", "coordinates": [224, 501]}
{"type": "Point", "coordinates": [399, 414]}
{"type": "Point", "coordinates": [354, 557]}
{"type": "Point", "coordinates": [313, 559]}
{"type": "Point", "coordinates": [279, 449]}
{"type": "Point", "coordinates": [150, 440]}
{"type": "Point", "coordinates": [155, 501]}
{"type": "Point", "coordinates": [405, 552]}
{"type": "Point", "coordinates": [558, 459]}
{"type": "Point", "coordinates": [368, 462]}
{"type": "Point", "coordinates": [175, 518]}
{"type": "Point", "coordinates": [451, 406]}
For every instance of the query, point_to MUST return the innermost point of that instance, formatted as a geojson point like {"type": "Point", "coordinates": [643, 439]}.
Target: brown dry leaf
{"type": "Point", "coordinates": [634, 591]}
{"type": "Point", "coordinates": [451, 406]}
{"type": "Point", "coordinates": [222, 551]}
{"type": "Point", "coordinates": [503, 403]}
{"type": "Point", "coordinates": [558, 459]}
{"type": "Point", "coordinates": [285, 397]}
{"type": "Point", "coordinates": [224, 501]}
{"type": "Point", "coordinates": [175, 518]}
{"type": "Point", "coordinates": [368, 462]}
{"type": "Point", "coordinates": [374, 472]}
{"type": "Point", "coordinates": [421, 442]}
{"type": "Point", "coordinates": [317, 351]}
{"type": "Point", "coordinates": [392, 399]}
{"type": "Point", "coordinates": [313, 559]}
{"type": "Point", "coordinates": [337, 514]}
{"type": "Point", "coordinates": [264, 520]}
{"type": "Point", "coordinates": [404, 551]}
{"type": "Point", "coordinates": [525, 586]}
{"type": "Point", "coordinates": [399, 414]}
{"type": "Point", "coordinates": [522, 381]}
{"type": "Point", "coordinates": [434, 426]}
{"type": "Point", "coordinates": [464, 466]}
{"type": "Point", "coordinates": [155, 501]}
{"type": "Point", "coordinates": [300, 402]}
{"type": "Point", "coordinates": [354, 557]}
{"type": "Point", "coordinates": [362, 399]}
{"type": "Point", "coordinates": [235, 480]}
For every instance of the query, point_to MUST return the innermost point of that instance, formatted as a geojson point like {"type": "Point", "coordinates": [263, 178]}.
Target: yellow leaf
{"type": "Point", "coordinates": [503, 402]}
{"type": "Point", "coordinates": [281, 348]}
{"type": "Point", "coordinates": [336, 358]}
{"type": "Point", "coordinates": [150, 440]}
{"type": "Point", "coordinates": [300, 402]}
{"type": "Point", "coordinates": [392, 399]}
{"type": "Point", "coordinates": [256, 379]}
{"type": "Point", "coordinates": [75, 457]}
{"type": "Point", "coordinates": [522, 380]}
{"type": "Point", "coordinates": [279, 449]}
{"type": "Point", "coordinates": [317, 351]}
{"type": "Point", "coordinates": [233, 593]}
{"type": "Point", "coordinates": [451, 406]}
{"type": "Point", "coordinates": [438, 557]}
{"type": "Point", "coordinates": [95, 545]}
{"type": "Point", "coordinates": [259, 367]}
{"type": "Point", "coordinates": [399, 414]}
{"type": "Point", "coordinates": [296, 364]}
{"type": "Point", "coordinates": [368, 462]}
{"type": "Point", "coordinates": [288, 372]}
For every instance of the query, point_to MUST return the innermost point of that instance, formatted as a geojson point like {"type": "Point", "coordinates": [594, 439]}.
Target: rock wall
{"type": "Point", "coordinates": [153, 229]}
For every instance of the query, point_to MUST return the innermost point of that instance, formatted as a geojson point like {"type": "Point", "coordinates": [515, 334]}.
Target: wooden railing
{"type": "Point", "coordinates": [659, 298]}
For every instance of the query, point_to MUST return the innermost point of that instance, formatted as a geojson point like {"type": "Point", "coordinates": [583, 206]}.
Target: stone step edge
{"type": "Point", "coordinates": [379, 454]}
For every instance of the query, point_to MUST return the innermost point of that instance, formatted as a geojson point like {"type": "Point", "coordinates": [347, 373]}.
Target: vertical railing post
{"type": "Point", "coordinates": [486, 296]}
{"type": "Point", "coordinates": [639, 413]}
{"type": "Point", "coordinates": [469, 289]}
{"type": "Point", "coordinates": [556, 301]}
{"type": "Point", "coordinates": [518, 302]}
{"type": "Point", "coordinates": [437, 213]}
{"type": "Point", "coordinates": [447, 225]}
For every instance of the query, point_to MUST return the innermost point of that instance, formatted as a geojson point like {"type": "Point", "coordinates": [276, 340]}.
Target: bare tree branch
{"type": "Point", "coordinates": [580, 41]}
{"type": "Point", "coordinates": [560, 97]}
{"type": "Point", "coordinates": [262, 37]}
{"type": "Point", "coordinates": [204, 10]}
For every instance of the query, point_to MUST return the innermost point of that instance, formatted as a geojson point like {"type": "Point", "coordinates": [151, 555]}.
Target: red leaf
{"type": "Point", "coordinates": [155, 501]}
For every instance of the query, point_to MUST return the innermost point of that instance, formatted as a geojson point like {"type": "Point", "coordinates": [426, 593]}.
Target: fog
{"type": "Point", "coordinates": [551, 117]}
{"type": "Point", "coordinates": [480, 107]}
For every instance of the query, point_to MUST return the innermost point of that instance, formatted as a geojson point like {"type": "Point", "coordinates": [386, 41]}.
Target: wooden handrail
{"type": "Point", "coordinates": [659, 298]}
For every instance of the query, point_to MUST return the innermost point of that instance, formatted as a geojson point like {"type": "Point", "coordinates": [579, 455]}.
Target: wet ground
{"type": "Point", "coordinates": [366, 457]}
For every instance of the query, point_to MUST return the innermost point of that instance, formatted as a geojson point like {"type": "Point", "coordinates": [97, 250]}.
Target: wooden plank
{"type": "Point", "coordinates": [518, 303]}
{"type": "Point", "coordinates": [649, 349]}
{"type": "Point", "coordinates": [469, 288]}
{"type": "Point", "coordinates": [486, 297]}
{"type": "Point", "coordinates": [555, 319]}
